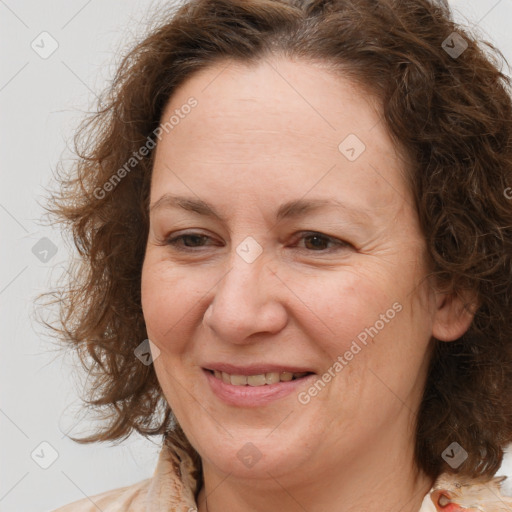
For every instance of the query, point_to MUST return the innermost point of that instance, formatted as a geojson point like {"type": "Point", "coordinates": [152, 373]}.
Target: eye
{"type": "Point", "coordinates": [313, 241]}
{"type": "Point", "coordinates": [190, 240]}
{"type": "Point", "coordinates": [317, 242]}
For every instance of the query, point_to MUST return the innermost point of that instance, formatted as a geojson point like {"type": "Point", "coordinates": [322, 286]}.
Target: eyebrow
{"type": "Point", "coordinates": [290, 209]}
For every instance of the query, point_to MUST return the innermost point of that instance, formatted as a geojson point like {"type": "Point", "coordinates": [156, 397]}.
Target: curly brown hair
{"type": "Point", "coordinates": [450, 114]}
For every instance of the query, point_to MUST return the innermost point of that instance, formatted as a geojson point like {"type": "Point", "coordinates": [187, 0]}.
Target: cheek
{"type": "Point", "coordinates": [343, 306]}
{"type": "Point", "coordinates": [364, 326]}
{"type": "Point", "coordinates": [168, 299]}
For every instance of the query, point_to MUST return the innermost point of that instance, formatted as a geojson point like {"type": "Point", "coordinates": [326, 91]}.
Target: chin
{"type": "Point", "coordinates": [255, 456]}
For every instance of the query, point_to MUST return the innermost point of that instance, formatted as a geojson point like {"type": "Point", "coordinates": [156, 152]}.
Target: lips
{"type": "Point", "coordinates": [255, 368]}
{"type": "Point", "coordinates": [255, 375]}
{"type": "Point", "coordinates": [247, 388]}
{"type": "Point", "coordinates": [262, 379]}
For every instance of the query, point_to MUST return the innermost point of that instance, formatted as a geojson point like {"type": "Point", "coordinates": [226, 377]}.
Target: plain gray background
{"type": "Point", "coordinates": [41, 100]}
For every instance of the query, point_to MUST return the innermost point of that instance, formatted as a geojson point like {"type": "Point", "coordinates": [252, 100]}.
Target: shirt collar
{"type": "Point", "coordinates": [174, 482]}
{"type": "Point", "coordinates": [174, 485]}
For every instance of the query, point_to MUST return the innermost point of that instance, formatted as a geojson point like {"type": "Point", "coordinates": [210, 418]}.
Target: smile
{"type": "Point", "coordinates": [256, 389]}
{"type": "Point", "coordinates": [262, 379]}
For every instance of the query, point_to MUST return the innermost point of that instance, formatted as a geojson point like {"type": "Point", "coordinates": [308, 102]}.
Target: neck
{"type": "Point", "coordinates": [384, 481]}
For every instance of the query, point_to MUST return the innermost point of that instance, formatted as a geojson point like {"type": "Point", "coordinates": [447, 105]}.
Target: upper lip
{"type": "Point", "coordinates": [255, 368]}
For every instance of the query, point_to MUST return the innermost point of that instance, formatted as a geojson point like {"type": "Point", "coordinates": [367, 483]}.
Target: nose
{"type": "Point", "coordinates": [247, 301]}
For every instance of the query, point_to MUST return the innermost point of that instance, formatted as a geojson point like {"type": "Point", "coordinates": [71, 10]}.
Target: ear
{"type": "Point", "coordinates": [454, 314]}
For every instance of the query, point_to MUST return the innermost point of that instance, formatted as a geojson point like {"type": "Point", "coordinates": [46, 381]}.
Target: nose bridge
{"type": "Point", "coordinates": [245, 284]}
{"type": "Point", "coordinates": [248, 265]}
{"type": "Point", "coordinates": [245, 301]}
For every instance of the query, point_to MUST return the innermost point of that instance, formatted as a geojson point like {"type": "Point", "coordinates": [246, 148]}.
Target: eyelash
{"type": "Point", "coordinates": [173, 241]}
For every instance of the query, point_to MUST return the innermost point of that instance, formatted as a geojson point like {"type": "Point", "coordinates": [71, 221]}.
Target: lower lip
{"type": "Point", "coordinates": [254, 396]}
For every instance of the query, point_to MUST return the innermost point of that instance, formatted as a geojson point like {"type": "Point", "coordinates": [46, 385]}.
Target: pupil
{"type": "Point", "coordinates": [196, 238]}
{"type": "Point", "coordinates": [318, 239]}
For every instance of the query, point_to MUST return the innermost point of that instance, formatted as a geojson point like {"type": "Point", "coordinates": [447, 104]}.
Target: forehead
{"type": "Point", "coordinates": [275, 125]}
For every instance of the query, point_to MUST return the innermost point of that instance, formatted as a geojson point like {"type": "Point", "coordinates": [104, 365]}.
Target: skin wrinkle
{"type": "Point", "coordinates": [451, 145]}
{"type": "Point", "coordinates": [289, 304]}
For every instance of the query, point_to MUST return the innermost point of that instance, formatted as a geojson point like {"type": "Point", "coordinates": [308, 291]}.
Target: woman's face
{"type": "Point", "coordinates": [328, 284]}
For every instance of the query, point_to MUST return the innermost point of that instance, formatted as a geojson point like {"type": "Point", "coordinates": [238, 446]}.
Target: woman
{"type": "Point", "coordinates": [302, 205]}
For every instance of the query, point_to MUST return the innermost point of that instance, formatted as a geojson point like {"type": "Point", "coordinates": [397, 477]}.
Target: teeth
{"type": "Point", "coordinates": [254, 380]}
{"type": "Point", "coordinates": [261, 379]}
{"type": "Point", "coordinates": [272, 378]}
{"type": "Point", "coordinates": [238, 380]}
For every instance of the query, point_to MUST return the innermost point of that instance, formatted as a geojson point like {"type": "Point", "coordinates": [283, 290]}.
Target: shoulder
{"type": "Point", "coordinates": [131, 498]}
{"type": "Point", "coordinates": [172, 487]}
